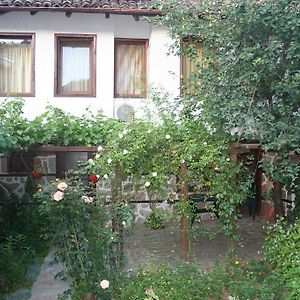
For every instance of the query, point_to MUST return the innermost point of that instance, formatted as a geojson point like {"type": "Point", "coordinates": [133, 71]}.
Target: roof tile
{"type": "Point", "coordinates": [93, 4]}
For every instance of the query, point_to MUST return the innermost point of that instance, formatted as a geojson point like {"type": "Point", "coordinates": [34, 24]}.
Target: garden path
{"type": "Point", "coordinates": [144, 246]}
{"type": "Point", "coordinates": [46, 287]}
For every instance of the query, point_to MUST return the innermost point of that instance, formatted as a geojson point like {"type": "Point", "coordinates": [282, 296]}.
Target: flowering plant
{"type": "Point", "coordinates": [84, 242]}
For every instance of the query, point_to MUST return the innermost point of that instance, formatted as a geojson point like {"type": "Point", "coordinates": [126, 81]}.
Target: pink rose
{"type": "Point", "coordinates": [87, 199]}
{"type": "Point", "coordinates": [58, 196]}
{"type": "Point", "coordinates": [62, 186]}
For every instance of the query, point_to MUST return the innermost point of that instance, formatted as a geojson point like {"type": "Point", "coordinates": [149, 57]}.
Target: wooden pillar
{"type": "Point", "coordinates": [277, 198]}
{"type": "Point", "coordinates": [117, 227]}
{"type": "Point", "coordinates": [184, 222]}
{"type": "Point", "coordinates": [119, 177]}
{"type": "Point", "coordinates": [231, 241]}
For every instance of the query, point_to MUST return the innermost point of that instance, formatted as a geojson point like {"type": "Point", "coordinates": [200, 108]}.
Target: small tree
{"type": "Point", "coordinates": [248, 82]}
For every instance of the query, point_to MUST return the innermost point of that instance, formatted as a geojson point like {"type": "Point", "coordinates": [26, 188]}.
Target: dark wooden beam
{"type": "Point", "coordinates": [68, 14]}
{"type": "Point", "coordinates": [54, 149]}
{"type": "Point", "coordinates": [136, 17]}
{"type": "Point", "coordinates": [32, 13]}
{"type": "Point", "coordinates": [107, 16]}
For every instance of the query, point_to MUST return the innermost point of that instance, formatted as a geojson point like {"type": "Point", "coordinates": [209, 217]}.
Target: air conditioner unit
{"type": "Point", "coordinates": [123, 111]}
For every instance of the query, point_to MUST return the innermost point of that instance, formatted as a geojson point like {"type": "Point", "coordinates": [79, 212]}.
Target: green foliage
{"type": "Point", "coordinates": [247, 83]}
{"type": "Point", "coordinates": [14, 128]}
{"type": "Point", "coordinates": [158, 219]}
{"type": "Point", "coordinates": [23, 216]}
{"type": "Point", "coordinates": [282, 250]}
{"type": "Point", "coordinates": [15, 254]}
{"type": "Point", "coordinates": [27, 238]}
{"type": "Point", "coordinates": [54, 126]}
{"type": "Point", "coordinates": [184, 282]}
{"type": "Point", "coordinates": [82, 235]}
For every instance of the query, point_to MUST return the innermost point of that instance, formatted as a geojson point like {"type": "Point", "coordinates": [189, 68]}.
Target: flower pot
{"type": "Point", "coordinates": [93, 179]}
{"type": "Point", "coordinates": [36, 175]}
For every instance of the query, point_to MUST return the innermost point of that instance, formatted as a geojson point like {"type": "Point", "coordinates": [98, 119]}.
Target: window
{"type": "Point", "coordinates": [75, 61]}
{"type": "Point", "coordinates": [190, 64]}
{"type": "Point", "coordinates": [16, 64]}
{"type": "Point", "coordinates": [130, 68]}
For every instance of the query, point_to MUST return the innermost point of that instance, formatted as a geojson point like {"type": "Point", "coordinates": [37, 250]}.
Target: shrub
{"type": "Point", "coordinates": [158, 219]}
{"type": "Point", "coordinates": [15, 254]}
{"type": "Point", "coordinates": [282, 250]}
{"type": "Point", "coordinates": [184, 282]}
{"type": "Point", "coordinates": [82, 236]}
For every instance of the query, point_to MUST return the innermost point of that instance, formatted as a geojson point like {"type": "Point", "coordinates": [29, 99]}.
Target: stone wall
{"type": "Point", "coordinates": [137, 193]}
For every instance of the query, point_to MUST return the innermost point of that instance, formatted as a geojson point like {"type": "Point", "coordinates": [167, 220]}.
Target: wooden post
{"type": "Point", "coordinates": [184, 223]}
{"type": "Point", "coordinates": [119, 177]}
{"type": "Point", "coordinates": [231, 241]}
{"type": "Point", "coordinates": [277, 198]}
{"type": "Point", "coordinates": [117, 227]}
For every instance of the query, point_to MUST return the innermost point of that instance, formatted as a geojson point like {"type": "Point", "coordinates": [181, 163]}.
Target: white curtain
{"type": "Point", "coordinates": [190, 66]}
{"type": "Point", "coordinates": [75, 66]}
{"type": "Point", "coordinates": [129, 70]}
{"type": "Point", "coordinates": [15, 68]}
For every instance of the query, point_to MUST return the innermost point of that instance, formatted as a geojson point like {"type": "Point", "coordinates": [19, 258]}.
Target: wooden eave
{"type": "Point", "coordinates": [115, 11]}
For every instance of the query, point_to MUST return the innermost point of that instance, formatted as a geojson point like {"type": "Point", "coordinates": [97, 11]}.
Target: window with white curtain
{"type": "Point", "coordinates": [75, 65]}
{"type": "Point", "coordinates": [16, 64]}
{"type": "Point", "coordinates": [190, 64]}
{"type": "Point", "coordinates": [130, 68]}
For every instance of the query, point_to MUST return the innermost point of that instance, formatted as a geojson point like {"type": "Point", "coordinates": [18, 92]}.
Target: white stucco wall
{"type": "Point", "coordinates": [163, 70]}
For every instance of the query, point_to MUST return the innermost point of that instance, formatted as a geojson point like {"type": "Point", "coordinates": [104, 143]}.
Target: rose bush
{"type": "Point", "coordinates": [84, 241]}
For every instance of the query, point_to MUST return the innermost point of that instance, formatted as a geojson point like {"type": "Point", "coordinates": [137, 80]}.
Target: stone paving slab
{"type": "Point", "coordinates": [144, 246]}
{"type": "Point", "coordinates": [46, 287]}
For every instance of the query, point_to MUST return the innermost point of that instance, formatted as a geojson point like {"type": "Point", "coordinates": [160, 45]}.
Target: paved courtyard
{"type": "Point", "coordinates": [144, 246]}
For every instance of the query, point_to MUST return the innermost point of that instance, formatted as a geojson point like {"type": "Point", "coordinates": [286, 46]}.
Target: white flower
{"type": "Point", "coordinates": [100, 148]}
{"type": "Point", "coordinates": [58, 196]}
{"type": "Point", "coordinates": [98, 176]}
{"type": "Point", "coordinates": [91, 161]}
{"type": "Point", "coordinates": [125, 131]}
{"type": "Point", "coordinates": [123, 223]}
{"type": "Point", "coordinates": [105, 176]}
{"type": "Point", "coordinates": [97, 156]}
{"type": "Point", "coordinates": [228, 159]}
{"type": "Point", "coordinates": [62, 186]}
{"type": "Point", "coordinates": [121, 135]}
{"type": "Point", "coordinates": [205, 143]}
{"type": "Point", "coordinates": [104, 284]}
{"type": "Point", "coordinates": [168, 136]}
{"type": "Point", "coordinates": [125, 152]}
{"type": "Point", "coordinates": [147, 183]}
{"type": "Point", "coordinates": [109, 161]}
{"type": "Point", "coordinates": [182, 161]}
{"type": "Point", "coordinates": [87, 199]}
{"type": "Point", "coordinates": [154, 174]}
{"type": "Point", "coordinates": [149, 131]}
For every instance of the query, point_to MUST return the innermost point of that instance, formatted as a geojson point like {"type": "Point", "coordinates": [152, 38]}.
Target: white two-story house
{"type": "Point", "coordinates": [75, 54]}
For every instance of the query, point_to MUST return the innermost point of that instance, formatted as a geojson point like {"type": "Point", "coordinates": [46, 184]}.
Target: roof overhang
{"type": "Point", "coordinates": [115, 11]}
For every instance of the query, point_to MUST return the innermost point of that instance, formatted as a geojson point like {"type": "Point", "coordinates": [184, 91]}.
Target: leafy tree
{"type": "Point", "coordinates": [248, 82]}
